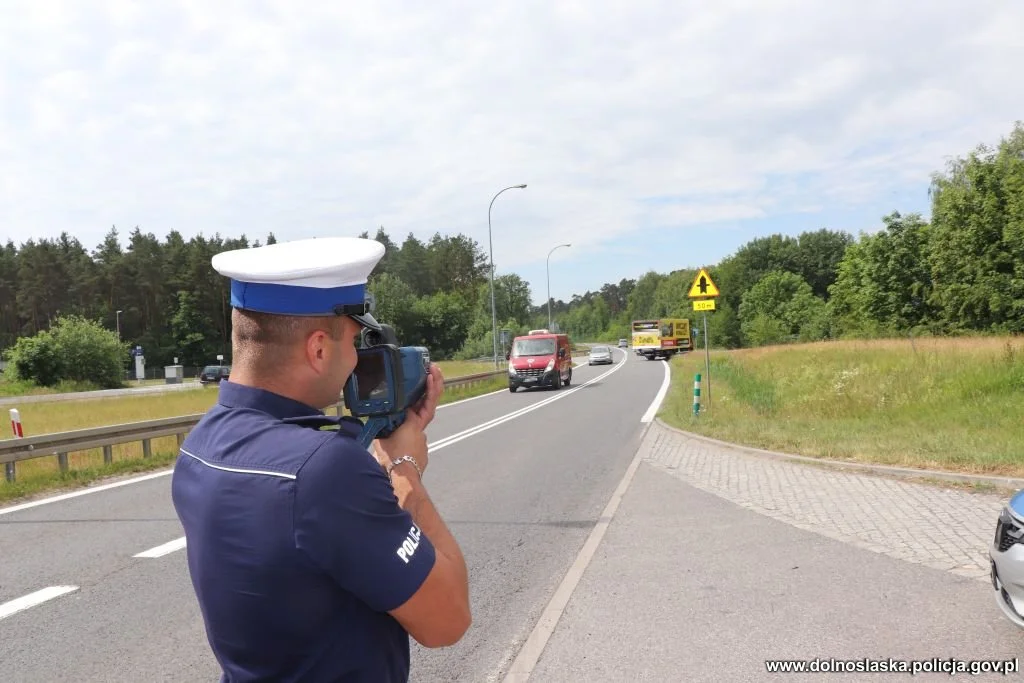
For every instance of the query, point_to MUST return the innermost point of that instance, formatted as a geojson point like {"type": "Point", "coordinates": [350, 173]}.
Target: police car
{"type": "Point", "coordinates": [1006, 555]}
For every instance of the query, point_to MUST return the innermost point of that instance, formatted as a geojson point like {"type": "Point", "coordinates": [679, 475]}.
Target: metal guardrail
{"type": "Point", "coordinates": [60, 444]}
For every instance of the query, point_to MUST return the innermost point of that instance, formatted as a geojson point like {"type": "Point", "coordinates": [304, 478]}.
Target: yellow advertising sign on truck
{"type": "Point", "coordinates": [662, 338]}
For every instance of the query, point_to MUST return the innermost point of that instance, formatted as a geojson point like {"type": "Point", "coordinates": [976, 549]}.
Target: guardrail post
{"type": "Point", "coordinates": [180, 437]}
{"type": "Point", "coordinates": [147, 449]}
{"type": "Point", "coordinates": [62, 461]}
{"type": "Point", "coordinates": [108, 455]}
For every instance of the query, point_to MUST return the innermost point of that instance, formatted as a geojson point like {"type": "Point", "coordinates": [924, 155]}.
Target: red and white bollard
{"type": "Point", "coordinates": [19, 433]}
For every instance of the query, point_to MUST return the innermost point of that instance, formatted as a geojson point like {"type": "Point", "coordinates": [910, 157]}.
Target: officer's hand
{"type": "Point", "coordinates": [423, 411]}
{"type": "Point", "coordinates": [408, 439]}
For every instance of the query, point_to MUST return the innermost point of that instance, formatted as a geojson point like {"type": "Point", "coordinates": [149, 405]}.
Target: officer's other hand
{"type": "Point", "coordinates": [423, 412]}
{"type": "Point", "coordinates": [408, 439]}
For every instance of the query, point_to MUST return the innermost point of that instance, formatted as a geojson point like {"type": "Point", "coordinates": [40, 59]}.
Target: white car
{"type": "Point", "coordinates": [600, 355]}
{"type": "Point", "coordinates": [1006, 555]}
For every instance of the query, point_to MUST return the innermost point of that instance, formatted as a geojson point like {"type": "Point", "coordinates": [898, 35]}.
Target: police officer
{"type": "Point", "coordinates": [311, 558]}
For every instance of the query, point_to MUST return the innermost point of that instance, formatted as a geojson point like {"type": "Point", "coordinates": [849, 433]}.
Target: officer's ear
{"type": "Point", "coordinates": [317, 340]}
{"type": "Point", "coordinates": [314, 346]}
{"type": "Point", "coordinates": [322, 339]}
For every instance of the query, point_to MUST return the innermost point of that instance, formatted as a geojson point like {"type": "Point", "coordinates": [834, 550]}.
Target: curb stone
{"type": "Point", "coordinates": [888, 470]}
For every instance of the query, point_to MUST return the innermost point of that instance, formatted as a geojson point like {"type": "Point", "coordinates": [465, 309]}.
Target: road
{"type": "Point", "coordinates": [521, 479]}
{"type": "Point", "coordinates": [187, 385]}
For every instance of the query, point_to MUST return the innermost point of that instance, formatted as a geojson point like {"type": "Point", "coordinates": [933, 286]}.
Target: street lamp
{"type": "Point", "coordinates": [490, 242]}
{"type": "Point", "coordinates": [118, 316]}
{"type": "Point", "coordinates": [550, 325]}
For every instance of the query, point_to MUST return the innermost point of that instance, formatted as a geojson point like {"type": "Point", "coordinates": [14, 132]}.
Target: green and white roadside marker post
{"type": "Point", "coordinates": [703, 292]}
{"type": "Point", "coordinates": [696, 394]}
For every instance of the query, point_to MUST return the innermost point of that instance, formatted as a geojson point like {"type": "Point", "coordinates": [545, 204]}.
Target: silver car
{"type": "Point", "coordinates": [600, 355]}
{"type": "Point", "coordinates": [1006, 554]}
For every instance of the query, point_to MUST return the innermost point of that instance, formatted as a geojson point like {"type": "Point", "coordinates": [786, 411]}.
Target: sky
{"type": "Point", "coordinates": [651, 135]}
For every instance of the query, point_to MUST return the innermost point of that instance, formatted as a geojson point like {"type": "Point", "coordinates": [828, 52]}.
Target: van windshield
{"type": "Point", "coordinates": [533, 347]}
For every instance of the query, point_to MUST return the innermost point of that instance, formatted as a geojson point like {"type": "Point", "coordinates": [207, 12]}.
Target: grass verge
{"type": "Point", "coordinates": [941, 404]}
{"type": "Point", "coordinates": [42, 475]}
{"type": "Point", "coordinates": [9, 387]}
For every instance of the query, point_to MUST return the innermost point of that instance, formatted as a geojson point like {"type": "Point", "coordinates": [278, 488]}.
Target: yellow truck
{"type": "Point", "coordinates": [661, 338]}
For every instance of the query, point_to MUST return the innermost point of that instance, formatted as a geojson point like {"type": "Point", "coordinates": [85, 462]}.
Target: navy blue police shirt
{"type": "Point", "coordinates": [297, 547]}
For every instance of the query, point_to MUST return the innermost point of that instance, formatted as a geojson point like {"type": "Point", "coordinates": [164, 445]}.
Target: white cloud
{"type": "Point", "coordinates": [340, 117]}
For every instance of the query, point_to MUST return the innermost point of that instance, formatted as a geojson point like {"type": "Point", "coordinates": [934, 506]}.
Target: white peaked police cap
{"type": "Point", "coordinates": [318, 276]}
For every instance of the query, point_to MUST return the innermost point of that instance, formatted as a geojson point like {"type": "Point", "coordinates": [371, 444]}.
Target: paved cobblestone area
{"type": "Point", "coordinates": [941, 528]}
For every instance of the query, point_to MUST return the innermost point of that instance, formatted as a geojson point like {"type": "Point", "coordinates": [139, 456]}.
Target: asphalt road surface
{"type": "Point", "coordinates": [520, 478]}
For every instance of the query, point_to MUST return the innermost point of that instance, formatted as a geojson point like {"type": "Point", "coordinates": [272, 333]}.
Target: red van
{"type": "Point", "coordinates": [539, 359]}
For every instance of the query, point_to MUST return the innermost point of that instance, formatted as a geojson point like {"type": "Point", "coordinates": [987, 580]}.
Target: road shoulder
{"type": "Point", "coordinates": [689, 586]}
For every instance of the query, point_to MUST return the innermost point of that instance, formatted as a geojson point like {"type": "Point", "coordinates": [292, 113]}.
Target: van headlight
{"type": "Point", "coordinates": [511, 370]}
{"type": "Point", "coordinates": [551, 365]}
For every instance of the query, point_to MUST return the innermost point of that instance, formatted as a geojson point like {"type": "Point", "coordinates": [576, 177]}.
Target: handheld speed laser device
{"type": "Point", "coordinates": [387, 380]}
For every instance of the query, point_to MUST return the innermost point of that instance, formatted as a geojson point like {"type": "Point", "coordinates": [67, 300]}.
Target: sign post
{"type": "Point", "coordinates": [703, 292]}
{"type": "Point", "coordinates": [505, 334]}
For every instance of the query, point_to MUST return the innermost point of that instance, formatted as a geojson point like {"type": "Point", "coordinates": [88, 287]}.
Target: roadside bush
{"type": "Point", "coordinates": [74, 349]}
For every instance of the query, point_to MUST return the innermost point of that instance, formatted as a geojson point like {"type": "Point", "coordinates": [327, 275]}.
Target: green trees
{"type": "Point", "coordinates": [884, 282]}
{"type": "Point", "coordinates": [72, 349]}
{"type": "Point", "coordinates": [976, 246]}
{"type": "Point", "coordinates": [779, 307]}
{"type": "Point", "coordinates": [964, 271]}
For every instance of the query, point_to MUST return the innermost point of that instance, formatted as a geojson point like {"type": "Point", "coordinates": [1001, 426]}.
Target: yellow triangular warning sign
{"type": "Point", "coordinates": [703, 286]}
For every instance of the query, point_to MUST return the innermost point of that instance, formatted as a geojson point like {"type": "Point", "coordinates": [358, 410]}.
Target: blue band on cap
{"type": "Point", "coordinates": [265, 297]}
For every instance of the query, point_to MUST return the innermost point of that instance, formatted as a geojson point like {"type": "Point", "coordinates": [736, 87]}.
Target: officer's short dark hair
{"type": "Point", "coordinates": [255, 335]}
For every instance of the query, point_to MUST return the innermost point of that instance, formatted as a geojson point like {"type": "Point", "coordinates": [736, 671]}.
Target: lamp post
{"type": "Point", "coordinates": [490, 242]}
{"type": "Point", "coordinates": [118, 317]}
{"type": "Point", "coordinates": [550, 324]}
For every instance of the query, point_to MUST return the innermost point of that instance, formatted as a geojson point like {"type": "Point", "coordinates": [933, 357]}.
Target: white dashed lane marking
{"type": "Point", "coordinates": [165, 549]}
{"type": "Point", "coordinates": [32, 599]}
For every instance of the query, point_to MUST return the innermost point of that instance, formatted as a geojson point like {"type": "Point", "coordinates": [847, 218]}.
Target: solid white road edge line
{"type": "Point", "coordinates": [33, 599]}
{"type": "Point", "coordinates": [163, 473]}
{"type": "Point", "coordinates": [522, 666]}
{"type": "Point", "coordinates": [653, 409]}
{"type": "Point", "coordinates": [83, 492]}
{"type": "Point", "coordinates": [179, 543]}
{"type": "Point", "coordinates": [165, 549]}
